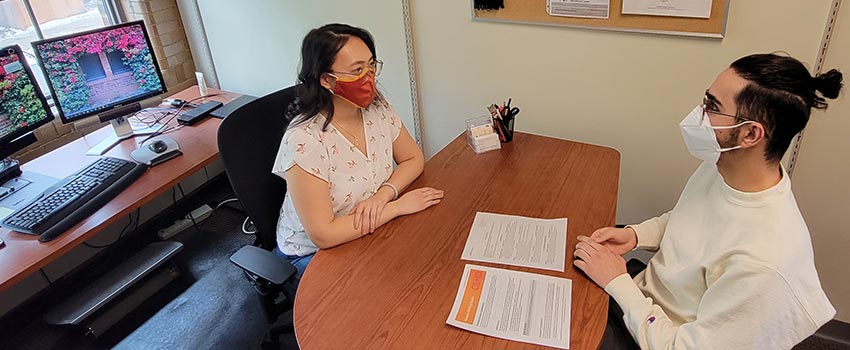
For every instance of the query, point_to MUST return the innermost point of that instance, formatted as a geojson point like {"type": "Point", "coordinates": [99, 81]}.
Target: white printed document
{"type": "Point", "coordinates": [579, 8]}
{"type": "Point", "coordinates": [675, 8]}
{"type": "Point", "coordinates": [517, 240]}
{"type": "Point", "coordinates": [514, 305]}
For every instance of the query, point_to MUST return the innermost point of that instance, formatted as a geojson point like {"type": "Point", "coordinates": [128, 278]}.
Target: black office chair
{"type": "Point", "coordinates": [248, 141]}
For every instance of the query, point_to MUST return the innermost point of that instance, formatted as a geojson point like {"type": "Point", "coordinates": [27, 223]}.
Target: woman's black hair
{"type": "Point", "coordinates": [318, 52]}
{"type": "Point", "coordinates": [780, 95]}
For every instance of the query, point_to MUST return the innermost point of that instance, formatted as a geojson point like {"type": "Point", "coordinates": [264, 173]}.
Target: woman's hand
{"type": "Point", "coordinates": [367, 213]}
{"type": "Point", "coordinates": [418, 200]}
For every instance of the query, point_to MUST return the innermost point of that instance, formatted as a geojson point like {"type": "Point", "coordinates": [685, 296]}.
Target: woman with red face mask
{"type": "Point", "coordinates": [338, 155]}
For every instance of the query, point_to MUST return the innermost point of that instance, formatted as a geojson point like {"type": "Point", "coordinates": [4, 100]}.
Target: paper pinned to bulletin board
{"type": "Point", "coordinates": [585, 9]}
{"type": "Point", "coordinates": [673, 17]}
{"type": "Point", "coordinates": [674, 8]}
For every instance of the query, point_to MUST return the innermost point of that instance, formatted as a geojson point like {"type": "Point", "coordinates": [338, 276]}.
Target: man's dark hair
{"type": "Point", "coordinates": [780, 95]}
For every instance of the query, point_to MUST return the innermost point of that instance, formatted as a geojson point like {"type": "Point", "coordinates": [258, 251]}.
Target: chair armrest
{"type": "Point", "coordinates": [264, 264]}
{"type": "Point", "coordinates": [634, 266]}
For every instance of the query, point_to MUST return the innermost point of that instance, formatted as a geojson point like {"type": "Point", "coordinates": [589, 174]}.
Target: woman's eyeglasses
{"type": "Point", "coordinates": [375, 67]}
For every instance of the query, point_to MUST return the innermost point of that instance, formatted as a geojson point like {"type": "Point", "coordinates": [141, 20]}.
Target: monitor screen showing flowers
{"type": "Point", "coordinates": [20, 104]}
{"type": "Point", "coordinates": [94, 71]}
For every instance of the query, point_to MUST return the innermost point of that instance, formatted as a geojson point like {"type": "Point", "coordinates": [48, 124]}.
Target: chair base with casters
{"type": "Point", "coordinates": [271, 277]}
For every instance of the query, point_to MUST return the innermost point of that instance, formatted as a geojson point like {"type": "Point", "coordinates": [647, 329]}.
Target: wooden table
{"type": "Point", "coordinates": [395, 288]}
{"type": "Point", "coordinates": [24, 254]}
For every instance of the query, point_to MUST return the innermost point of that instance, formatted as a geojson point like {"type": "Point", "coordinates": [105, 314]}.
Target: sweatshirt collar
{"type": "Point", "coordinates": [757, 199]}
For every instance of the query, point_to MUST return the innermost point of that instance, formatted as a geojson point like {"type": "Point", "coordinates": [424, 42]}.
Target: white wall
{"type": "Point", "coordinates": [256, 48]}
{"type": "Point", "coordinates": [821, 174]}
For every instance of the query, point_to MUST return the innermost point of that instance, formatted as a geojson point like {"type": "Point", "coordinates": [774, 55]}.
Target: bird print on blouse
{"type": "Point", "coordinates": [352, 175]}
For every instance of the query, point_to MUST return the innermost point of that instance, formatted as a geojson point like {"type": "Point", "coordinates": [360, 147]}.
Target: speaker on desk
{"type": "Point", "coordinates": [156, 151]}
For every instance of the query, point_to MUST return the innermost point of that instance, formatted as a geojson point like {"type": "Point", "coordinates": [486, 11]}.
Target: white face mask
{"type": "Point", "coordinates": [700, 138]}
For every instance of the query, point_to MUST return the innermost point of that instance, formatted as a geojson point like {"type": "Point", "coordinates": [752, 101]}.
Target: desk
{"type": "Point", "coordinates": [395, 288]}
{"type": "Point", "coordinates": [24, 254]}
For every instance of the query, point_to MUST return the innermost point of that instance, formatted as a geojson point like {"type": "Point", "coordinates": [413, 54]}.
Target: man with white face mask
{"type": "Point", "coordinates": [734, 267]}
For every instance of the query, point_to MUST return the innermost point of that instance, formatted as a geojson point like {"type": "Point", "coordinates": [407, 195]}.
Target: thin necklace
{"type": "Point", "coordinates": [356, 140]}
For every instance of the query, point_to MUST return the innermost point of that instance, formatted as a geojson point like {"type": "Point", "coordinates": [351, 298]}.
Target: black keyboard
{"type": "Point", "coordinates": [74, 198]}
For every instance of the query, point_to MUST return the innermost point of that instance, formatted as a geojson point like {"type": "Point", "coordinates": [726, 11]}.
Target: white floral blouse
{"type": "Point", "coordinates": [351, 175]}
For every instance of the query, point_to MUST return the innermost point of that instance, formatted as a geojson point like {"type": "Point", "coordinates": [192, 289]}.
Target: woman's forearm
{"type": "Point", "coordinates": [407, 172]}
{"type": "Point", "coordinates": [341, 229]}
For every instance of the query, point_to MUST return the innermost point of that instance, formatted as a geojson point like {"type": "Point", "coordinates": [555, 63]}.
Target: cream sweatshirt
{"type": "Point", "coordinates": [733, 270]}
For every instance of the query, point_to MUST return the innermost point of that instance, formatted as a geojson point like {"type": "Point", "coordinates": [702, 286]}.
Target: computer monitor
{"type": "Point", "coordinates": [23, 109]}
{"type": "Point", "coordinates": [105, 72]}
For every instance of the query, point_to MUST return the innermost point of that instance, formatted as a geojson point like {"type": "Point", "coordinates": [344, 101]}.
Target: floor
{"type": "Point", "coordinates": [211, 305]}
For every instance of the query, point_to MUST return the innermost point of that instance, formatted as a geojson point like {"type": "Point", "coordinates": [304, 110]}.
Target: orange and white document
{"type": "Point", "coordinates": [514, 305]}
{"type": "Point", "coordinates": [517, 240]}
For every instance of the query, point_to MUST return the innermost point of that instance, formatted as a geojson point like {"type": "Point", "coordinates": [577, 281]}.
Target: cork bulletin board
{"type": "Point", "coordinates": [534, 12]}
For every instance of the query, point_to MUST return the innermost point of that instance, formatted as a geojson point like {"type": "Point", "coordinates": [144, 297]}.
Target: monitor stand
{"type": "Point", "coordinates": [122, 129]}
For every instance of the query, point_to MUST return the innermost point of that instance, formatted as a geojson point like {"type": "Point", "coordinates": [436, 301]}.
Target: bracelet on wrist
{"type": "Point", "coordinates": [392, 187]}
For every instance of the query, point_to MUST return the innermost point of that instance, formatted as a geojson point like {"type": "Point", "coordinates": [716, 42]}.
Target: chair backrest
{"type": "Point", "coordinates": [248, 141]}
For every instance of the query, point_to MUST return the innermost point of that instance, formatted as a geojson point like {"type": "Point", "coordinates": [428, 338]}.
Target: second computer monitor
{"type": "Point", "coordinates": [23, 108]}
{"type": "Point", "coordinates": [100, 70]}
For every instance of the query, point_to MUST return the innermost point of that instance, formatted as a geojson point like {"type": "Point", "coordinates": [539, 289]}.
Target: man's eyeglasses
{"type": "Point", "coordinates": [375, 67]}
{"type": "Point", "coordinates": [710, 107]}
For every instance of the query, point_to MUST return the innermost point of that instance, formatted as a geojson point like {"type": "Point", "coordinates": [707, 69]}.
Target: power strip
{"type": "Point", "coordinates": [178, 226]}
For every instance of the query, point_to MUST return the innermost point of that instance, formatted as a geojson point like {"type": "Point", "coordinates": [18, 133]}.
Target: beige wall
{"type": "Point", "coordinates": [820, 178]}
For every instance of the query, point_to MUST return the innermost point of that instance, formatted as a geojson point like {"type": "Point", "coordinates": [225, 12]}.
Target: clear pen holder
{"type": "Point", "coordinates": [481, 136]}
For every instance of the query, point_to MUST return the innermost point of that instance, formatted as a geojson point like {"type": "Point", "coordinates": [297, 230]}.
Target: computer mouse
{"type": "Point", "coordinates": [158, 146]}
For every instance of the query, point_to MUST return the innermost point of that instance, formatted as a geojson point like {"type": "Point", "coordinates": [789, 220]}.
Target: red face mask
{"type": "Point", "coordinates": [359, 91]}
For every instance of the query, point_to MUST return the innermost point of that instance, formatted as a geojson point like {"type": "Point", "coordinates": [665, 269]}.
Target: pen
{"type": "Point", "coordinates": [496, 124]}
